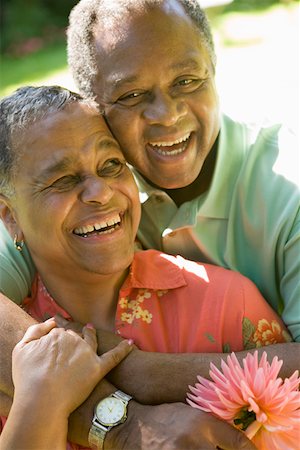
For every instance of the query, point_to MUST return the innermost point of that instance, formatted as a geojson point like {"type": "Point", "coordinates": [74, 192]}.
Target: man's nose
{"type": "Point", "coordinates": [96, 190]}
{"type": "Point", "coordinates": [164, 109]}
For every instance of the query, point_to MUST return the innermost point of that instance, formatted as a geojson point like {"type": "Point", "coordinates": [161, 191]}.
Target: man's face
{"type": "Point", "coordinates": [156, 85]}
{"type": "Point", "coordinates": [76, 201]}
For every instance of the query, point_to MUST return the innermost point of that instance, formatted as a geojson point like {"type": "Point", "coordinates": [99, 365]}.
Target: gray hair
{"type": "Point", "coordinates": [87, 14]}
{"type": "Point", "coordinates": [18, 112]}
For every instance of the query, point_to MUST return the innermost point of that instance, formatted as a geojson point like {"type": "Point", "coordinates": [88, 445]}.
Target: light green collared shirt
{"type": "Point", "coordinates": [248, 221]}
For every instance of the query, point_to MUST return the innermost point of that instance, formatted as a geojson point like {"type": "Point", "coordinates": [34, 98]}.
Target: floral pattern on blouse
{"type": "Point", "coordinates": [266, 333]}
{"type": "Point", "coordinates": [134, 310]}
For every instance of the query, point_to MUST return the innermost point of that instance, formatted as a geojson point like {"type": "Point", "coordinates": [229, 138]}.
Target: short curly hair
{"type": "Point", "coordinates": [18, 112]}
{"type": "Point", "coordinates": [85, 17]}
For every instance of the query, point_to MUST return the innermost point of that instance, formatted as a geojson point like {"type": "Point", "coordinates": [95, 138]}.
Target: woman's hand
{"type": "Point", "coordinates": [61, 367]}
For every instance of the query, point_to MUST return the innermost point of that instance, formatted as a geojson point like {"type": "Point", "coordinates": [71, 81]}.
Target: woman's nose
{"type": "Point", "coordinates": [96, 190]}
{"type": "Point", "coordinates": [164, 110]}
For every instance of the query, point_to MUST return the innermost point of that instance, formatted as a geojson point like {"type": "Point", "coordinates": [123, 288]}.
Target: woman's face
{"type": "Point", "coordinates": [76, 201]}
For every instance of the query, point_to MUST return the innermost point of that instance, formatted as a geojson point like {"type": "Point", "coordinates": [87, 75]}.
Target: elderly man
{"type": "Point", "coordinates": [211, 189]}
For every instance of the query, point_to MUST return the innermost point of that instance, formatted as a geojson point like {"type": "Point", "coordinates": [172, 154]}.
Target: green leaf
{"type": "Point", "coordinates": [248, 331]}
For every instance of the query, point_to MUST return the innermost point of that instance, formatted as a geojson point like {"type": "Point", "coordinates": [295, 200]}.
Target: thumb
{"type": "Point", "coordinates": [228, 437]}
{"type": "Point", "coordinates": [113, 357]}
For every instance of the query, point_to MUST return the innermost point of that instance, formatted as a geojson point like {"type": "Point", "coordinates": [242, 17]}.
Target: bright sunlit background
{"type": "Point", "coordinates": [257, 45]}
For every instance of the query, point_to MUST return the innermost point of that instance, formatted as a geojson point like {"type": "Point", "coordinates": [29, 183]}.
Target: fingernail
{"type": "Point", "coordinates": [90, 325]}
{"type": "Point", "coordinates": [130, 341]}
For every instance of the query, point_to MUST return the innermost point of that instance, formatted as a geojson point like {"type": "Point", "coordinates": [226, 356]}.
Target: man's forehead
{"type": "Point", "coordinates": [119, 18]}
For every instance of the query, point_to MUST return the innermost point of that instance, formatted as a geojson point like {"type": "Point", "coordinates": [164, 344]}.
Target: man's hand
{"type": "Point", "coordinates": [174, 426]}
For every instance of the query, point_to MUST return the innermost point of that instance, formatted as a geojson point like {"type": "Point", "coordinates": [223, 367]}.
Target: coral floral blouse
{"type": "Point", "coordinates": [169, 304]}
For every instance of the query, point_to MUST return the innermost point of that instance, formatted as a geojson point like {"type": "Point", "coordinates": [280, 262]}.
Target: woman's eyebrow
{"type": "Point", "coordinates": [57, 167]}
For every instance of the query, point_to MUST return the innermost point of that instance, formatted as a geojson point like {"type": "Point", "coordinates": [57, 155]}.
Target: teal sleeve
{"type": "Point", "coordinates": [290, 281]}
{"type": "Point", "coordinates": [16, 268]}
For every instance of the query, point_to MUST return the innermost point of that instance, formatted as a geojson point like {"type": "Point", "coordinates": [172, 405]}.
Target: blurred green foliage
{"type": "Point", "coordinates": [28, 25]}
{"type": "Point", "coordinates": [251, 5]}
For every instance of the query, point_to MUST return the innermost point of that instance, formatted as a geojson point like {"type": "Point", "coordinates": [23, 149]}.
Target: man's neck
{"type": "Point", "coordinates": [200, 185]}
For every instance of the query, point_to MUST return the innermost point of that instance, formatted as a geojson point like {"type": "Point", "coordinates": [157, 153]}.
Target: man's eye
{"type": "Point", "coordinates": [131, 99]}
{"type": "Point", "coordinates": [190, 84]}
{"type": "Point", "coordinates": [112, 168]}
{"type": "Point", "coordinates": [185, 82]}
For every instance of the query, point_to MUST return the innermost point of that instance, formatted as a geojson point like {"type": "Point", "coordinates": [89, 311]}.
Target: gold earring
{"type": "Point", "coordinates": [18, 244]}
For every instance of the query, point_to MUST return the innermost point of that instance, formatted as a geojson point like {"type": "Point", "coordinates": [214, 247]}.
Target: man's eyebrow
{"type": "Point", "coordinates": [187, 64]}
{"type": "Point", "coordinates": [117, 81]}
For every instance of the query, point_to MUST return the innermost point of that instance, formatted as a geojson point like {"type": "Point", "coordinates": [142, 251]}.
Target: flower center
{"type": "Point", "coordinates": [244, 419]}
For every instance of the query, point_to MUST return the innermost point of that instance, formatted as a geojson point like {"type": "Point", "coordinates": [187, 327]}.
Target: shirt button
{"type": "Point", "coordinates": [158, 199]}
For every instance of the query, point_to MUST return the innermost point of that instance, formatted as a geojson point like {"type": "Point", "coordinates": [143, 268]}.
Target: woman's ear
{"type": "Point", "coordinates": [8, 217]}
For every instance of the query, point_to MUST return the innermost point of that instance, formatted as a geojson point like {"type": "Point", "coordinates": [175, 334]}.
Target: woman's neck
{"type": "Point", "coordinates": [93, 300]}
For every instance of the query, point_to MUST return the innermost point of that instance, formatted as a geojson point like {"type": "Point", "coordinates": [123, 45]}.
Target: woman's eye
{"type": "Point", "coordinates": [131, 99]}
{"type": "Point", "coordinates": [65, 183]}
{"type": "Point", "coordinates": [111, 168]}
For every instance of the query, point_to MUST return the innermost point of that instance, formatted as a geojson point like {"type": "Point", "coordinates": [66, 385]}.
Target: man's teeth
{"type": "Point", "coordinates": [169, 144]}
{"type": "Point", "coordinates": [99, 226]}
{"type": "Point", "coordinates": [169, 152]}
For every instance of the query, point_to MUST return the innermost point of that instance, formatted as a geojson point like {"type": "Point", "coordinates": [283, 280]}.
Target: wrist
{"type": "Point", "coordinates": [125, 435]}
{"type": "Point", "coordinates": [37, 425]}
{"type": "Point", "coordinates": [80, 421]}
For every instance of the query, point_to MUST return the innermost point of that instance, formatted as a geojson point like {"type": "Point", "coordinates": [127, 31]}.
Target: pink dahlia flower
{"type": "Point", "coordinates": [253, 399]}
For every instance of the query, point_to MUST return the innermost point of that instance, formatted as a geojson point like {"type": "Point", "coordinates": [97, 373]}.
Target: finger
{"type": "Point", "coordinates": [227, 437]}
{"type": "Point", "coordinates": [113, 357]}
{"type": "Point", "coordinates": [38, 330]}
{"type": "Point", "coordinates": [90, 337]}
{"type": "Point", "coordinates": [60, 321]}
{"type": "Point", "coordinates": [73, 333]}
{"type": "Point", "coordinates": [68, 325]}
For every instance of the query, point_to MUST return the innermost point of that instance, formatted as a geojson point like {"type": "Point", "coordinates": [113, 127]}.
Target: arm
{"type": "Point", "coordinates": [161, 427]}
{"type": "Point", "coordinates": [172, 373]}
{"type": "Point", "coordinates": [155, 427]}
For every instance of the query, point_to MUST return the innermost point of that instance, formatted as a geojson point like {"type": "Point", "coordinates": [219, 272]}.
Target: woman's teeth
{"type": "Point", "coordinates": [100, 227]}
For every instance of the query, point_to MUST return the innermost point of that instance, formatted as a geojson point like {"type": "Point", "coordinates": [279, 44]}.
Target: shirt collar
{"type": "Point", "coordinates": [151, 269]}
{"type": "Point", "coordinates": [216, 201]}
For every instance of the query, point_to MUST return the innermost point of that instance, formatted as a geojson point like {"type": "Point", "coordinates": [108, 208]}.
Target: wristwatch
{"type": "Point", "coordinates": [109, 412]}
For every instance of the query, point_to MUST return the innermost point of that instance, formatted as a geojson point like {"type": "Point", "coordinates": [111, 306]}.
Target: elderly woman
{"type": "Point", "coordinates": [67, 192]}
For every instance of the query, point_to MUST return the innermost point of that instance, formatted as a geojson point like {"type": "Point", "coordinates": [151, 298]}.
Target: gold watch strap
{"type": "Point", "coordinates": [96, 436]}
{"type": "Point", "coordinates": [98, 431]}
{"type": "Point", "coordinates": [122, 396]}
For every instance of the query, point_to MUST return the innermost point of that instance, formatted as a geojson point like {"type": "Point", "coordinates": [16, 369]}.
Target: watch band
{"type": "Point", "coordinates": [96, 436]}
{"type": "Point", "coordinates": [122, 396]}
{"type": "Point", "coordinates": [98, 430]}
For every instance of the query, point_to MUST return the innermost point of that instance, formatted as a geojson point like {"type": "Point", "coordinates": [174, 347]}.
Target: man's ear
{"type": "Point", "coordinates": [8, 217]}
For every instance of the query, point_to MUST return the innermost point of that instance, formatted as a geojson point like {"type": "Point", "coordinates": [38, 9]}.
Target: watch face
{"type": "Point", "coordinates": [110, 411]}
